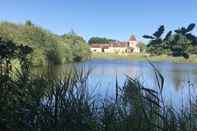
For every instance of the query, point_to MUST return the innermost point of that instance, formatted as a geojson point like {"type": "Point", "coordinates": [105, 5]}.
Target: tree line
{"type": "Point", "coordinates": [180, 42]}
{"type": "Point", "coordinates": [100, 40]}
{"type": "Point", "coordinates": [47, 46]}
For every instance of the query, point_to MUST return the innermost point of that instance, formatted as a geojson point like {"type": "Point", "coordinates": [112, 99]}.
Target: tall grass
{"type": "Point", "coordinates": [38, 103]}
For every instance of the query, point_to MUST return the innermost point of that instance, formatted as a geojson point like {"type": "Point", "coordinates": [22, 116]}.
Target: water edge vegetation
{"type": "Point", "coordinates": [47, 46]}
{"type": "Point", "coordinates": [144, 57]}
{"type": "Point", "coordinates": [37, 103]}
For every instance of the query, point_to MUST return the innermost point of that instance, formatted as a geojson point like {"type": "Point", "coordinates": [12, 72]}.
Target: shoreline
{"type": "Point", "coordinates": [143, 57]}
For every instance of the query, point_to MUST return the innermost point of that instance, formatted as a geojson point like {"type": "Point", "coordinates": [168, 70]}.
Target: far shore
{"type": "Point", "coordinates": [143, 57]}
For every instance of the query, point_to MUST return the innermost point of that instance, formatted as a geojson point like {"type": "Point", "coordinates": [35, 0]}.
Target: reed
{"type": "Point", "coordinates": [38, 103]}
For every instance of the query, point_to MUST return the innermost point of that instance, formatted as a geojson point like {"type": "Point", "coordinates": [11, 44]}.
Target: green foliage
{"type": "Point", "coordinates": [181, 43]}
{"type": "Point", "coordinates": [99, 40]}
{"type": "Point", "coordinates": [28, 23]}
{"type": "Point", "coordinates": [72, 38]}
{"type": "Point", "coordinates": [142, 46]}
{"type": "Point", "coordinates": [80, 49]}
{"type": "Point", "coordinates": [47, 46]}
{"type": "Point", "coordinates": [38, 57]}
{"type": "Point", "coordinates": [157, 44]}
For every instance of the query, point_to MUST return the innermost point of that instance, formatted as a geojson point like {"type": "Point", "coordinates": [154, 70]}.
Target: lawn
{"type": "Point", "coordinates": [142, 57]}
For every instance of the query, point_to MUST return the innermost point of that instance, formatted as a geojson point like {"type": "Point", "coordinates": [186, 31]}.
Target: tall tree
{"type": "Point", "coordinates": [28, 23]}
{"type": "Point", "coordinates": [142, 46]}
{"type": "Point", "coordinates": [177, 44]}
{"type": "Point", "coordinates": [157, 45]}
{"type": "Point", "coordinates": [100, 40]}
{"type": "Point", "coordinates": [182, 40]}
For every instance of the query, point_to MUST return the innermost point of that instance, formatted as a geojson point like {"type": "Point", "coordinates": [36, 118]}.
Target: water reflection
{"type": "Point", "coordinates": [104, 72]}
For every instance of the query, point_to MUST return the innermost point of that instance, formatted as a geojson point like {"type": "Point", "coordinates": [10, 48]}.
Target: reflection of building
{"type": "Point", "coordinates": [117, 47]}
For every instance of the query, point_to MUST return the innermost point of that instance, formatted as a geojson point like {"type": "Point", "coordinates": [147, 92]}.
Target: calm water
{"type": "Point", "coordinates": [178, 77]}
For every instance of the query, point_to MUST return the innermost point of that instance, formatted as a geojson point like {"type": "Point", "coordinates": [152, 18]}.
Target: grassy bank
{"type": "Point", "coordinates": [142, 57]}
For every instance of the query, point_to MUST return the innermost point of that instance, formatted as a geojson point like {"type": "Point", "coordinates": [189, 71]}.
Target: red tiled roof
{"type": "Point", "coordinates": [132, 38]}
{"type": "Point", "coordinates": [100, 46]}
{"type": "Point", "coordinates": [120, 44]}
{"type": "Point", "coordinates": [113, 44]}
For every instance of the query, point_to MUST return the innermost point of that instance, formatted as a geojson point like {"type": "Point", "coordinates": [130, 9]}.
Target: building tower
{"type": "Point", "coordinates": [133, 42]}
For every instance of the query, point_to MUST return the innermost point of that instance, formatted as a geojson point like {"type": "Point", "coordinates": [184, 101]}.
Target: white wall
{"type": "Point", "coordinates": [136, 50]}
{"type": "Point", "coordinates": [96, 50]}
{"type": "Point", "coordinates": [119, 50]}
{"type": "Point", "coordinates": [133, 44]}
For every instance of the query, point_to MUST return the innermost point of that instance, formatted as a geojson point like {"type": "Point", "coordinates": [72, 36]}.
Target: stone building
{"type": "Point", "coordinates": [118, 47]}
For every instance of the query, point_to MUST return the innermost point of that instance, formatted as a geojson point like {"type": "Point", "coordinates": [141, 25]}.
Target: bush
{"type": "Point", "coordinates": [46, 45]}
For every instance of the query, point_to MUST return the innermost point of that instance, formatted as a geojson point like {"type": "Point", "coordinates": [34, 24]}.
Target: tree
{"type": "Point", "coordinates": [182, 40]}
{"type": "Point", "coordinates": [157, 45]}
{"type": "Point", "coordinates": [28, 23]}
{"type": "Point", "coordinates": [10, 51]}
{"type": "Point", "coordinates": [178, 44]}
{"type": "Point", "coordinates": [72, 32]}
{"type": "Point", "coordinates": [99, 40]}
{"type": "Point", "coordinates": [71, 38]}
{"type": "Point", "coordinates": [80, 49]}
{"type": "Point", "coordinates": [46, 45]}
{"type": "Point", "coordinates": [142, 46]}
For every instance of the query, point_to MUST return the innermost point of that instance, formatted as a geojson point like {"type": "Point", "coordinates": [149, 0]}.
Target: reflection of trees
{"type": "Point", "coordinates": [194, 71]}
{"type": "Point", "coordinates": [112, 70]}
{"type": "Point", "coordinates": [173, 77]}
{"type": "Point", "coordinates": [180, 78]}
{"type": "Point", "coordinates": [194, 78]}
{"type": "Point", "coordinates": [176, 76]}
{"type": "Point", "coordinates": [177, 79]}
{"type": "Point", "coordinates": [53, 72]}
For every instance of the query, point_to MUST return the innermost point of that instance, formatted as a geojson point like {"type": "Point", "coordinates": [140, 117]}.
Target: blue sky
{"type": "Point", "coordinates": [116, 19]}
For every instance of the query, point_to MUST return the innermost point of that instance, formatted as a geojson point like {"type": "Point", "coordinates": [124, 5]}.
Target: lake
{"type": "Point", "coordinates": [180, 79]}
